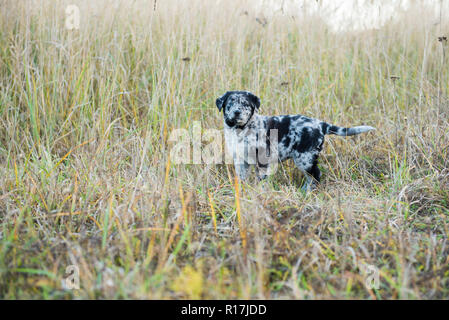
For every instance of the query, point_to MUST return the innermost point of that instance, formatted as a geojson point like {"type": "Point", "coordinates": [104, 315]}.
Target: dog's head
{"type": "Point", "coordinates": [238, 107]}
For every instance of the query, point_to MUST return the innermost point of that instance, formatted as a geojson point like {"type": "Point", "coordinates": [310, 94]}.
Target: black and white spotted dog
{"type": "Point", "coordinates": [251, 138]}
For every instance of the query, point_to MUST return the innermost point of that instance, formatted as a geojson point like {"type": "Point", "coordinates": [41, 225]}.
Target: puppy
{"type": "Point", "coordinates": [263, 141]}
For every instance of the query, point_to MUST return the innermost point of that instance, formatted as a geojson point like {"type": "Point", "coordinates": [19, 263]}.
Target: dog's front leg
{"type": "Point", "coordinates": [241, 168]}
{"type": "Point", "coordinates": [262, 172]}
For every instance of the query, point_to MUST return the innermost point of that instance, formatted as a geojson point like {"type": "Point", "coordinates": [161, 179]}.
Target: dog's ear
{"type": "Point", "coordinates": [254, 100]}
{"type": "Point", "coordinates": [220, 102]}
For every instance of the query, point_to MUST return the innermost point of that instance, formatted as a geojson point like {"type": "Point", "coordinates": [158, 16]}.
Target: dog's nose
{"type": "Point", "coordinates": [237, 113]}
{"type": "Point", "coordinates": [230, 122]}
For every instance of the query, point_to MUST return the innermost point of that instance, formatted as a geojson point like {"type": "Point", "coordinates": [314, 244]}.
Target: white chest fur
{"type": "Point", "coordinates": [242, 144]}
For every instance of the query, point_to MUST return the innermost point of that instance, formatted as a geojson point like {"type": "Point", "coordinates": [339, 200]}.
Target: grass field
{"type": "Point", "coordinates": [86, 180]}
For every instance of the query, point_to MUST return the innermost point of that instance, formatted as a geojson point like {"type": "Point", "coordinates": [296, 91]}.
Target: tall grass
{"type": "Point", "coordinates": [85, 120]}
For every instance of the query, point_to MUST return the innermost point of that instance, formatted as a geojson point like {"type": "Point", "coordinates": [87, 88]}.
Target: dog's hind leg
{"type": "Point", "coordinates": [313, 176]}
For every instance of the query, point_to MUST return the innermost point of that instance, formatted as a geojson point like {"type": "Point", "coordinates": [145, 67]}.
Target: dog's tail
{"type": "Point", "coordinates": [331, 129]}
